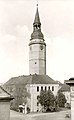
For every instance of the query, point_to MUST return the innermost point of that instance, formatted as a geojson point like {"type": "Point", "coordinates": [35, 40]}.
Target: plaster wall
{"type": "Point", "coordinates": [34, 93]}
{"type": "Point", "coordinates": [4, 110]}
{"type": "Point", "coordinates": [37, 59]}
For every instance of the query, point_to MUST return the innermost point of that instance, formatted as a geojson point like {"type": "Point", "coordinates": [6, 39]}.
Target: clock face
{"type": "Point", "coordinates": [41, 47]}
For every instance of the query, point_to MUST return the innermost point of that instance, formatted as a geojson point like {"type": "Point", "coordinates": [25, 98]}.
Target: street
{"type": "Point", "coordinates": [39, 116]}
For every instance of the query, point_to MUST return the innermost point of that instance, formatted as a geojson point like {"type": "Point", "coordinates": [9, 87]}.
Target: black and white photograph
{"type": "Point", "coordinates": [36, 59]}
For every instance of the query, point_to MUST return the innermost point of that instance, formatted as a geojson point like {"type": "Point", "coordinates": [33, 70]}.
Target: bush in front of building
{"type": "Point", "coordinates": [61, 99]}
{"type": "Point", "coordinates": [47, 99]}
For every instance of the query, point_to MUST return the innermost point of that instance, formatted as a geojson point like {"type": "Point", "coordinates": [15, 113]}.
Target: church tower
{"type": "Point", "coordinates": [37, 49]}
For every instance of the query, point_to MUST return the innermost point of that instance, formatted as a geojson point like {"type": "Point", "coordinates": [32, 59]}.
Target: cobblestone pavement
{"type": "Point", "coordinates": [40, 116]}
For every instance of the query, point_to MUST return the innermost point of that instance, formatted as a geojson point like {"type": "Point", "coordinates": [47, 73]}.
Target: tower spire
{"type": "Point", "coordinates": [37, 18]}
{"type": "Point", "coordinates": [37, 34]}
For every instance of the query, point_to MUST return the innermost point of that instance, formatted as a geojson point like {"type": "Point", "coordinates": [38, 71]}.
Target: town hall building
{"type": "Point", "coordinates": [37, 79]}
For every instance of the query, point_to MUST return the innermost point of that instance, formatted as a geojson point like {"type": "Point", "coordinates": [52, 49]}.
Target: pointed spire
{"type": "Point", "coordinates": [37, 34]}
{"type": "Point", "coordinates": [37, 19]}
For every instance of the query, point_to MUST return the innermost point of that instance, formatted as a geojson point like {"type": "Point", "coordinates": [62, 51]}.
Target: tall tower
{"type": "Point", "coordinates": [37, 49]}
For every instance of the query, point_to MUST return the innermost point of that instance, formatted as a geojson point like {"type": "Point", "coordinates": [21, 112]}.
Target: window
{"type": "Point", "coordinates": [49, 87]}
{"type": "Point", "coordinates": [37, 88]}
{"type": "Point", "coordinates": [37, 110]}
{"type": "Point", "coordinates": [45, 88]}
{"type": "Point", "coordinates": [37, 97]}
{"type": "Point", "coordinates": [41, 47]}
{"type": "Point", "coordinates": [41, 88]}
{"type": "Point", "coordinates": [37, 103]}
{"type": "Point", "coordinates": [52, 88]}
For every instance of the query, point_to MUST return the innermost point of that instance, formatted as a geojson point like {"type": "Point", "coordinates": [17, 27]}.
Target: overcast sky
{"type": "Point", "coordinates": [16, 19]}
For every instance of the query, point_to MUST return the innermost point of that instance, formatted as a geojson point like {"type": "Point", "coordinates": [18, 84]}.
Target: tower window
{"type": "Point", "coordinates": [41, 47]}
{"type": "Point", "coordinates": [52, 88]}
{"type": "Point", "coordinates": [35, 26]}
{"type": "Point", "coordinates": [35, 62]}
{"type": "Point", "coordinates": [37, 88]}
{"type": "Point", "coordinates": [39, 26]}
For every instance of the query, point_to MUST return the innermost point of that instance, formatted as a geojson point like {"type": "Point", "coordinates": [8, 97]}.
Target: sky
{"type": "Point", "coordinates": [16, 26]}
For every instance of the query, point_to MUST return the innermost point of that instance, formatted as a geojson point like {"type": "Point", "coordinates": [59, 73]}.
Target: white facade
{"type": "Point", "coordinates": [34, 90]}
{"type": "Point", "coordinates": [37, 57]}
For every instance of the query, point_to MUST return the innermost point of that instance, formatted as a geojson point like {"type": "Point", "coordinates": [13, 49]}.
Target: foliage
{"type": "Point", "coordinates": [20, 95]}
{"type": "Point", "coordinates": [61, 99]}
{"type": "Point", "coordinates": [46, 98]}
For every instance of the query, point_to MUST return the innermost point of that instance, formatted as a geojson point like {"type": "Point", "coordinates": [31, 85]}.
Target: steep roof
{"type": "Point", "coordinates": [65, 88]}
{"type": "Point", "coordinates": [37, 18]}
{"type": "Point", "coordinates": [31, 79]}
{"type": "Point", "coordinates": [37, 34]}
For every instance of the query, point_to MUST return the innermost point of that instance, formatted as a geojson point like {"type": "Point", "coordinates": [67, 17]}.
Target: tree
{"type": "Point", "coordinates": [46, 98]}
{"type": "Point", "coordinates": [20, 95]}
{"type": "Point", "coordinates": [61, 99]}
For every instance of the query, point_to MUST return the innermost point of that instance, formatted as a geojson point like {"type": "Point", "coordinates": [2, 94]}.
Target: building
{"type": "Point", "coordinates": [37, 80]}
{"type": "Point", "coordinates": [5, 99]}
{"type": "Point", "coordinates": [37, 49]}
{"type": "Point", "coordinates": [65, 89]}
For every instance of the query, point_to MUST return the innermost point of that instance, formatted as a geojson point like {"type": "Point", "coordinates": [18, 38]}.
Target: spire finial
{"type": "Point", "coordinates": [37, 3]}
{"type": "Point", "coordinates": [37, 19]}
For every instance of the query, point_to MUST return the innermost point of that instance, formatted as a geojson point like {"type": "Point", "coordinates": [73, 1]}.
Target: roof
{"type": "Point", "coordinates": [65, 88]}
{"type": "Point", "coordinates": [59, 82]}
{"type": "Point", "coordinates": [70, 82]}
{"type": "Point", "coordinates": [37, 34]}
{"type": "Point", "coordinates": [4, 95]}
{"type": "Point", "coordinates": [37, 18]}
{"type": "Point", "coordinates": [71, 78]}
{"type": "Point", "coordinates": [31, 79]}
